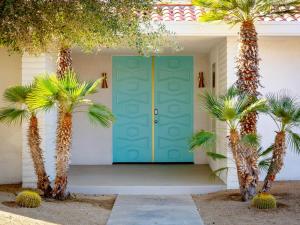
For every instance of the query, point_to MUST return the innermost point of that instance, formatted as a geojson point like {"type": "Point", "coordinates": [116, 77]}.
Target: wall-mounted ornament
{"type": "Point", "coordinates": [104, 81]}
{"type": "Point", "coordinates": [201, 80]}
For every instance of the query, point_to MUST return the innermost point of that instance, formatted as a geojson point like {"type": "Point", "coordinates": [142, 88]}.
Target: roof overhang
{"type": "Point", "coordinates": [193, 28]}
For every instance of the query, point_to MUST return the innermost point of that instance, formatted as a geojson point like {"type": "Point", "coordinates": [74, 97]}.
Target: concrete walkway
{"type": "Point", "coordinates": [154, 210]}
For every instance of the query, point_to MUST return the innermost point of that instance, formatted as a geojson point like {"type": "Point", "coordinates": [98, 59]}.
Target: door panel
{"type": "Point", "coordinates": [132, 140]}
{"type": "Point", "coordinates": [174, 102]}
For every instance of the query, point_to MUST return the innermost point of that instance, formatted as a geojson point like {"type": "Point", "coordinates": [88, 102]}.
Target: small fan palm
{"type": "Point", "coordinates": [285, 111]}
{"type": "Point", "coordinates": [231, 108]}
{"type": "Point", "coordinates": [245, 13]}
{"type": "Point", "coordinates": [70, 95]}
{"type": "Point", "coordinates": [17, 112]}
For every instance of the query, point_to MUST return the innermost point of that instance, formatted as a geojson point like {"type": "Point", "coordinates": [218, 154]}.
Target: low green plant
{"type": "Point", "coordinates": [264, 201]}
{"type": "Point", "coordinates": [28, 199]}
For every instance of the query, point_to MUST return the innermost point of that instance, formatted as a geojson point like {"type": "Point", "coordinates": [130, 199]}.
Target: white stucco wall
{"type": "Point", "coordinates": [280, 69]}
{"type": "Point", "coordinates": [10, 136]}
{"type": "Point", "coordinates": [219, 56]}
{"type": "Point", "coordinates": [92, 145]}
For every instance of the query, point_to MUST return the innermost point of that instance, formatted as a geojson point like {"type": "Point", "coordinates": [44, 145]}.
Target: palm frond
{"type": "Point", "coordinates": [258, 105]}
{"type": "Point", "coordinates": [284, 108]}
{"type": "Point", "coordinates": [100, 114]}
{"type": "Point", "coordinates": [238, 11]}
{"type": "Point", "coordinates": [12, 115]}
{"type": "Point", "coordinates": [251, 140]}
{"type": "Point", "coordinates": [203, 139]}
{"type": "Point", "coordinates": [215, 156]}
{"type": "Point", "coordinates": [264, 157]}
{"type": "Point", "coordinates": [44, 93]}
{"type": "Point", "coordinates": [17, 94]}
{"type": "Point", "coordinates": [91, 87]}
{"type": "Point", "coordinates": [69, 80]}
{"type": "Point", "coordinates": [293, 141]}
{"type": "Point", "coordinates": [264, 163]}
{"type": "Point", "coordinates": [213, 105]}
{"type": "Point", "coordinates": [266, 152]}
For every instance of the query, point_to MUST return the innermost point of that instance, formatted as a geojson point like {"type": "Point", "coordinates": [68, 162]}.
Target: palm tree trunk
{"type": "Point", "coordinates": [64, 61]}
{"type": "Point", "coordinates": [247, 181]}
{"type": "Point", "coordinates": [248, 83]}
{"type": "Point", "coordinates": [34, 142]}
{"type": "Point", "coordinates": [248, 71]}
{"type": "Point", "coordinates": [277, 161]}
{"type": "Point", "coordinates": [63, 146]}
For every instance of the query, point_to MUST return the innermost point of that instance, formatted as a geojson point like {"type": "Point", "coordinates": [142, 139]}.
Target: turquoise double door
{"type": "Point", "coordinates": [153, 105]}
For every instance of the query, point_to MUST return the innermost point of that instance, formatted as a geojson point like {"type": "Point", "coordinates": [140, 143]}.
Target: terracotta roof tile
{"type": "Point", "coordinates": [188, 12]}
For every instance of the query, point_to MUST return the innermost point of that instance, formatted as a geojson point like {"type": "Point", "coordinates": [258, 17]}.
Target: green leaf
{"type": "Point", "coordinates": [17, 94]}
{"type": "Point", "coordinates": [251, 140]}
{"type": "Point", "coordinates": [266, 152]}
{"type": "Point", "coordinates": [238, 11]}
{"type": "Point", "coordinates": [100, 114]}
{"type": "Point", "coordinates": [215, 156]}
{"type": "Point", "coordinates": [258, 105]}
{"type": "Point", "coordinates": [13, 115]}
{"type": "Point", "coordinates": [293, 141]}
{"type": "Point", "coordinates": [264, 164]}
{"type": "Point", "coordinates": [202, 138]}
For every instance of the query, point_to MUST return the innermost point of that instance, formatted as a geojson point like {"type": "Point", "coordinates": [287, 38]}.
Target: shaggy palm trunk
{"type": "Point", "coordinates": [64, 63]}
{"type": "Point", "coordinates": [34, 142]}
{"type": "Point", "coordinates": [63, 146]}
{"type": "Point", "coordinates": [277, 161]}
{"type": "Point", "coordinates": [244, 171]}
{"type": "Point", "coordinates": [248, 71]}
{"type": "Point", "coordinates": [248, 83]}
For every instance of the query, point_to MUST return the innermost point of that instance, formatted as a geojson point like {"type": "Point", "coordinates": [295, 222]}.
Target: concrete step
{"type": "Point", "coordinates": [154, 210]}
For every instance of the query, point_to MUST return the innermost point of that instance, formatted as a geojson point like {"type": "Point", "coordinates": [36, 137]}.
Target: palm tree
{"type": "Point", "coordinates": [245, 13]}
{"type": "Point", "coordinates": [285, 112]}
{"type": "Point", "coordinates": [71, 96]}
{"type": "Point", "coordinates": [18, 111]}
{"type": "Point", "coordinates": [231, 108]}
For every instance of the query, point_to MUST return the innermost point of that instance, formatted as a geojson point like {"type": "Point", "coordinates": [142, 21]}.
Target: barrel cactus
{"type": "Point", "coordinates": [28, 199]}
{"type": "Point", "coordinates": [264, 201]}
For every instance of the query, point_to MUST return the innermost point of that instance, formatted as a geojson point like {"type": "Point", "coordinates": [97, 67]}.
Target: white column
{"type": "Point", "coordinates": [32, 66]}
{"type": "Point", "coordinates": [232, 49]}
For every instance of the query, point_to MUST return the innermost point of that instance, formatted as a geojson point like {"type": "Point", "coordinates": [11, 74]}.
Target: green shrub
{"type": "Point", "coordinates": [264, 201]}
{"type": "Point", "coordinates": [29, 199]}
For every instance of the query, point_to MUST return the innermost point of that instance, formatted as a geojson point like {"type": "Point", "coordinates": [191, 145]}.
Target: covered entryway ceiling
{"type": "Point", "coordinates": [189, 44]}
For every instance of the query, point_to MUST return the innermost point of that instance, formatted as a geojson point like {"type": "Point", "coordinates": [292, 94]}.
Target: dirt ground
{"type": "Point", "coordinates": [225, 208]}
{"type": "Point", "coordinates": [79, 210]}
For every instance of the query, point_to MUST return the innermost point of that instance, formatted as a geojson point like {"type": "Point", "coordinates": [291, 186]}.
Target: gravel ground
{"type": "Point", "coordinates": [226, 208]}
{"type": "Point", "coordinates": [81, 210]}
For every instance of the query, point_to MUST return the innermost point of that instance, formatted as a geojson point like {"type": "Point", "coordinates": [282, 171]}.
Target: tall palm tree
{"type": "Point", "coordinates": [285, 112]}
{"type": "Point", "coordinates": [18, 111]}
{"type": "Point", "coordinates": [246, 13]}
{"type": "Point", "coordinates": [231, 108]}
{"type": "Point", "coordinates": [71, 96]}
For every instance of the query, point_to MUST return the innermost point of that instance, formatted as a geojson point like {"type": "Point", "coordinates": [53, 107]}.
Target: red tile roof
{"type": "Point", "coordinates": [188, 12]}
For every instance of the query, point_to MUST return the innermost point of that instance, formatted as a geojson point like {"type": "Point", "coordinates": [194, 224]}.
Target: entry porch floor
{"type": "Point", "coordinates": [143, 179]}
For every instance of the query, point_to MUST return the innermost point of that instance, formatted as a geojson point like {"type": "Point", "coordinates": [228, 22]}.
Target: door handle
{"type": "Point", "coordinates": [156, 112]}
{"type": "Point", "coordinates": [156, 121]}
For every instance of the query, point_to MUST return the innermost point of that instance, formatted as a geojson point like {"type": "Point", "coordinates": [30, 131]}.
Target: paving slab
{"type": "Point", "coordinates": [154, 210]}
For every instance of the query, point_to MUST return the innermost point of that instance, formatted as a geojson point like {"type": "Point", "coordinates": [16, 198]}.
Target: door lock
{"type": "Point", "coordinates": [156, 121]}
